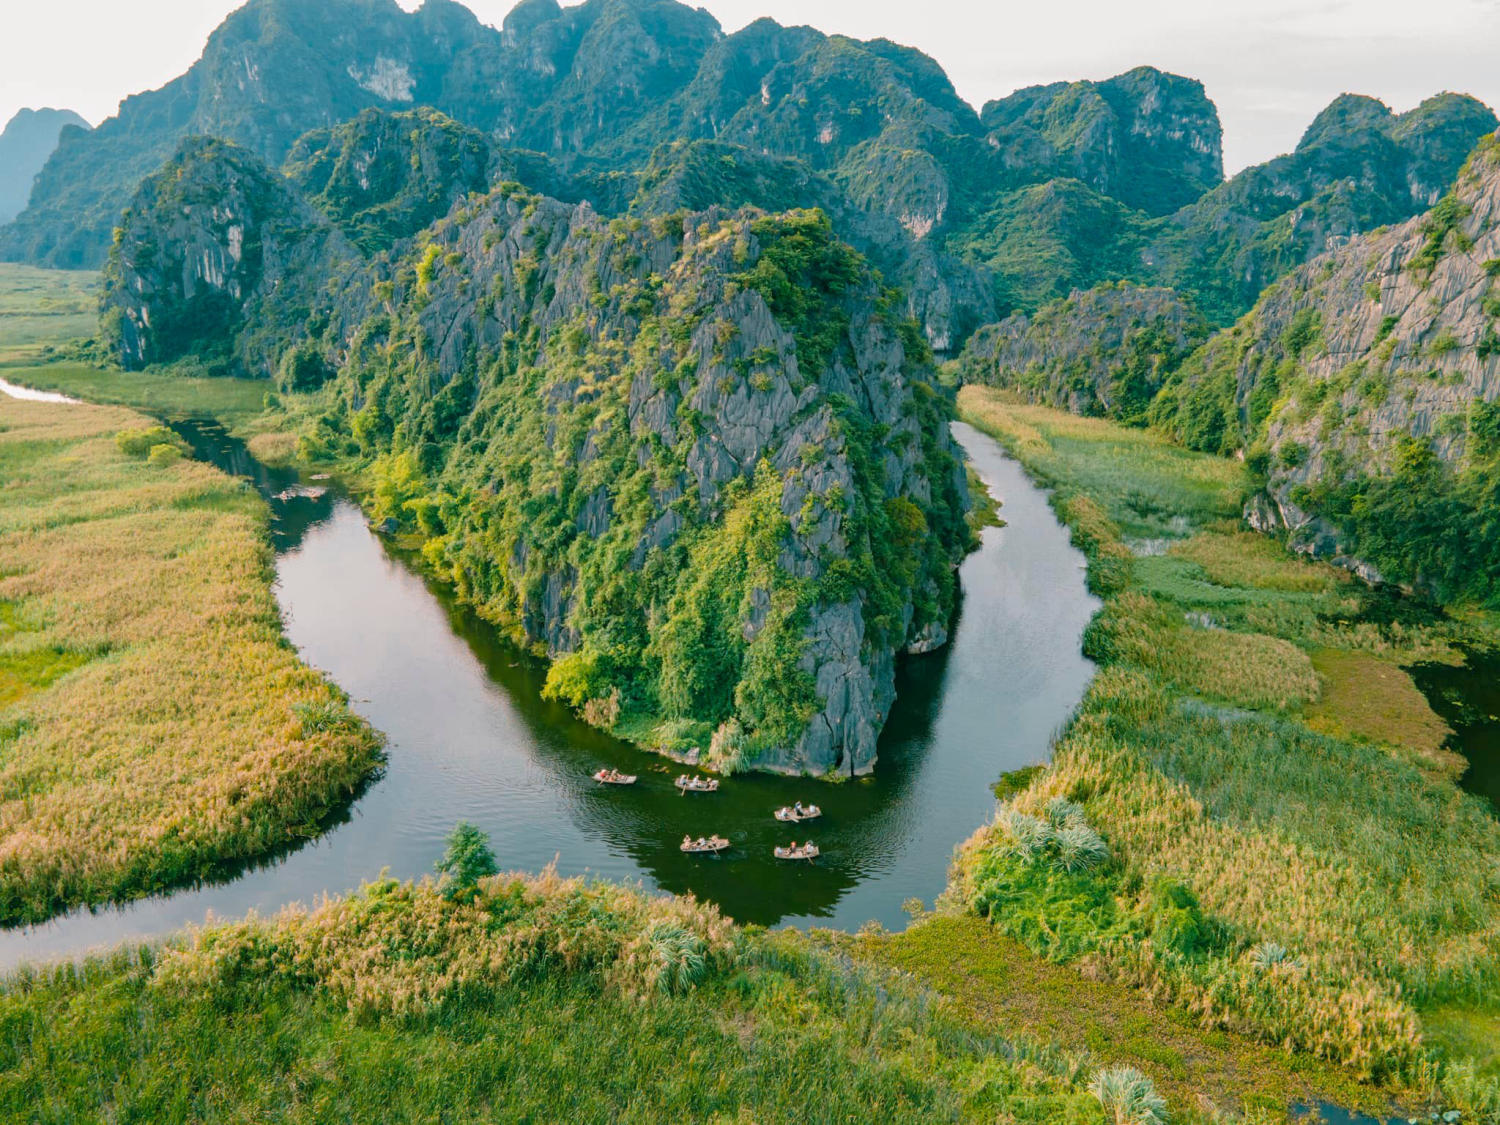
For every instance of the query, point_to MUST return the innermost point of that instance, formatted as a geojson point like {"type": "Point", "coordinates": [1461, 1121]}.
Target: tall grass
{"type": "Point", "coordinates": [152, 727]}
{"type": "Point", "coordinates": [540, 999]}
{"type": "Point", "coordinates": [1372, 873]}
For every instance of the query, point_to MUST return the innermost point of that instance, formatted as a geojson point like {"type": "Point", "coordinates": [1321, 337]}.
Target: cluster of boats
{"type": "Point", "coordinates": [713, 845]}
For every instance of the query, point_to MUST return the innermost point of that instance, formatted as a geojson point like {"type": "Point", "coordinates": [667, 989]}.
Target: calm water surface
{"type": "Point", "coordinates": [470, 738]}
{"type": "Point", "coordinates": [1468, 699]}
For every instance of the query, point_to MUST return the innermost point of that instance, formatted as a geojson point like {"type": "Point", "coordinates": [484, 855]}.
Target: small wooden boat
{"type": "Point", "coordinates": [614, 777]}
{"type": "Point", "coordinates": [697, 784]}
{"type": "Point", "coordinates": [711, 844]}
{"type": "Point", "coordinates": [808, 851]}
{"type": "Point", "coordinates": [791, 814]}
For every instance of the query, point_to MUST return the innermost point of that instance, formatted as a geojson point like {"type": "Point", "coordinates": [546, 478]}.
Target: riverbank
{"type": "Point", "coordinates": [156, 728]}
{"type": "Point", "coordinates": [1278, 859]}
{"type": "Point", "coordinates": [534, 999]}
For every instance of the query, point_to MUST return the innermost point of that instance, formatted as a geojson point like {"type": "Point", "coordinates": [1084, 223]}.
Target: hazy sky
{"type": "Point", "coordinates": [1269, 65]}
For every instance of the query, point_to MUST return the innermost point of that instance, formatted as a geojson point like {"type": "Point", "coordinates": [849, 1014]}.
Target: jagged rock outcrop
{"type": "Point", "coordinates": [973, 216]}
{"type": "Point", "coordinates": [1376, 363]}
{"type": "Point", "coordinates": [384, 176]}
{"type": "Point", "coordinates": [1358, 166]}
{"type": "Point", "coordinates": [1149, 139]}
{"type": "Point", "coordinates": [273, 70]}
{"type": "Point", "coordinates": [1102, 351]}
{"type": "Point", "coordinates": [28, 139]}
{"type": "Point", "coordinates": [948, 297]}
{"type": "Point", "coordinates": [698, 459]}
{"type": "Point", "coordinates": [219, 259]}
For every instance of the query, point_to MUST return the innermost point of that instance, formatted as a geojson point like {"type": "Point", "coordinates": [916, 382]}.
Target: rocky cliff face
{"type": "Point", "coordinates": [1103, 351]}
{"type": "Point", "coordinates": [384, 176]}
{"type": "Point", "coordinates": [272, 71]}
{"type": "Point", "coordinates": [1379, 361]}
{"type": "Point", "coordinates": [28, 139]}
{"type": "Point", "coordinates": [1358, 166]}
{"type": "Point", "coordinates": [216, 258]}
{"type": "Point", "coordinates": [948, 297]}
{"type": "Point", "coordinates": [697, 459]}
{"type": "Point", "coordinates": [598, 87]}
{"type": "Point", "coordinates": [1149, 139]}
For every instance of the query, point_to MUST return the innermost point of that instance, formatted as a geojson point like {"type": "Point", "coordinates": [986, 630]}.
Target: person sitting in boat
{"type": "Point", "coordinates": [797, 808]}
{"type": "Point", "coordinates": [687, 841]}
{"type": "Point", "coordinates": [702, 843]}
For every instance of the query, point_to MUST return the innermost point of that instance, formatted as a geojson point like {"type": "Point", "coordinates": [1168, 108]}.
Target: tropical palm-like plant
{"type": "Point", "coordinates": [678, 957]}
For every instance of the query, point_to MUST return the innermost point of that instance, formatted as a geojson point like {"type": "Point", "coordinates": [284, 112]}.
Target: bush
{"type": "Point", "coordinates": [302, 368]}
{"type": "Point", "coordinates": [164, 454]}
{"type": "Point", "coordinates": [1175, 918]}
{"type": "Point", "coordinates": [141, 442]}
{"type": "Point", "coordinates": [1128, 1097]}
{"type": "Point", "coordinates": [467, 860]}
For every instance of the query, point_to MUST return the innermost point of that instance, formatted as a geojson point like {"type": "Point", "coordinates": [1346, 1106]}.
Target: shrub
{"type": "Point", "coordinates": [1175, 918]}
{"type": "Point", "coordinates": [164, 454]}
{"type": "Point", "coordinates": [678, 958]}
{"type": "Point", "coordinates": [467, 860]}
{"type": "Point", "coordinates": [1128, 1097]}
{"type": "Point", "coordinates": [140, 442]}
{"type": "Point", "coordinates": [302, 368]}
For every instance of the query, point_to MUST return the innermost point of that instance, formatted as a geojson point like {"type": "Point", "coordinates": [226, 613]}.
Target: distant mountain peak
{"type": "Point", "coordinates": [28, 140]}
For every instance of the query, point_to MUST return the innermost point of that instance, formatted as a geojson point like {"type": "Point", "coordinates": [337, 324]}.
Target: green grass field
{"type": "Point", "coordinates": [40, 307]}
{"type": "Point", "coordinates": [154, 724]}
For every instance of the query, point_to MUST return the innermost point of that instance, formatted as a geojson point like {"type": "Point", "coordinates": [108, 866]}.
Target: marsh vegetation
{"type": "Point", "coordinates": [154, 725]}
{"type": "Point", "coordinates": [1283, 861]}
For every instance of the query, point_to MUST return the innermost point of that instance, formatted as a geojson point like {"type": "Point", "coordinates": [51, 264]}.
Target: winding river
{"type": "Point", "coordinates": [471, 739]}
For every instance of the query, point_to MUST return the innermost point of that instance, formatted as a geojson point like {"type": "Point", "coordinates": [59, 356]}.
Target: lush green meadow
{"type": "Point", "coordinates": [1274, 855]}
{"type": "Point", "coordinates": [40, 307]}
{"type": "Point", "coordinates": [154, 724]}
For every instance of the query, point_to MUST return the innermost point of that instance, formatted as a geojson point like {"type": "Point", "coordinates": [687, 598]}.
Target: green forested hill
{"type": "Point", "coordinates": [700, 459]}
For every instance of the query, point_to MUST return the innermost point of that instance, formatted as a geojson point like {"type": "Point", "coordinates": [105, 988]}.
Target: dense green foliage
{"type": "Point", "coordinates": [1427, 523]}
{"type": "Point", "coordinates": [1105, 351]}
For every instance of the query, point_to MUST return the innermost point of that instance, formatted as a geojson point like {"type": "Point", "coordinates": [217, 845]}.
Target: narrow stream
{"type": "Point", "coordinates": [471, 739]}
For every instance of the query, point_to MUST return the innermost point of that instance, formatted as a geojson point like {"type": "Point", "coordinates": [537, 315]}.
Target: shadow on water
{"type": "Point", "coordinates": [1467, 697]}
{"type": "Point", "coordinates": [469, 737]}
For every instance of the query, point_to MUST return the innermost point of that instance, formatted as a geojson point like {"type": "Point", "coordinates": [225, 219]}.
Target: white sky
{"type": "Point", "coordinates": [1269, 65]}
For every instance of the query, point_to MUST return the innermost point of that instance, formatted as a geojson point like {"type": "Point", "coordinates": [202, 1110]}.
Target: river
{"type": "Point", "coordinates": [471, 739]}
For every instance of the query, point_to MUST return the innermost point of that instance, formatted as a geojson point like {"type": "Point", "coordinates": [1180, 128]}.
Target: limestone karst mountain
{"type": "Point", "coordinates": [701, 460]}
{"type": "Point", "coordinates": [28, 139]}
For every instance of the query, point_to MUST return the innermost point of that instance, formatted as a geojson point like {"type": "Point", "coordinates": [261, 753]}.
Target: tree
{"type": "Point", "coordinates": [467, 860]}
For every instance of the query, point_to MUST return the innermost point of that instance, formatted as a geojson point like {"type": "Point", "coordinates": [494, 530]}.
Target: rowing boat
{"type": "Point", "coordinates": [697, 784]}
{"type": "Point", "coordinates": [790, 815]}
{"type": "Point", "coordinates": [806, 851]}
{"type": "Point", "coordinates": [614, 777]}
{"type": "Point", "coordinates": [714, 844]}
